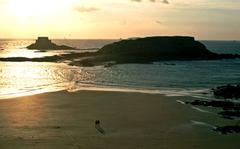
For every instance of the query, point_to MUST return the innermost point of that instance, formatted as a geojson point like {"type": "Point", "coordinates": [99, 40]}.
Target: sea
{"type": "Point", "coordinates": [171, 78]}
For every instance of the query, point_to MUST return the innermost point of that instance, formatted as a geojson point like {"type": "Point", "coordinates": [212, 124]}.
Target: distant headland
{"type": "Point", "coordinates": [43, 43]}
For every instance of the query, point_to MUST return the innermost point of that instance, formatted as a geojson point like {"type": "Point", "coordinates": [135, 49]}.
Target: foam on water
{"type": "Point", "coordinates": [203, 124]}
{"type": "Point", "coordinates": [200, 110]}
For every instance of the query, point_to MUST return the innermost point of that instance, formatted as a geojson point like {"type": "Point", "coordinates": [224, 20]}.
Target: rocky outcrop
{"type": "Point", "coordinates": [55, 58]}
{"type": "Point", "coordinates": [230, 114]}
{"type": "Point", "coordinates": [229, 109]}
{"type": "Point", "coordinates": [227, 92]}
{"type": "Point", "coordinates": [228, 129]}
{"type": "Point", "coordinates": [43, 43]}
{"type": "Point", "coordinates": [225, 105]}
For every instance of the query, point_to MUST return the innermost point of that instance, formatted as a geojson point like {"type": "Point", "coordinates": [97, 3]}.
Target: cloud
{"type": "Point", "coordinates": [83, 9]}
{"type": "Point", "coordinates": [165, 1]}
{"type": "Point", "coordinates": [162, 1]}
{"type": "Point", "coordinates": [159, 22]}
{"type": "Point", "coordinates": [136, 0]}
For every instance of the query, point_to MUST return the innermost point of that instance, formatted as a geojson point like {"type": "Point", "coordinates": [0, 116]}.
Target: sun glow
{"type": "Point", "coordinates": [36, 8]}
{"type": "Point", "coordinates": [32, 18]}
{"type": "Point", "coordinates": [119, 19]}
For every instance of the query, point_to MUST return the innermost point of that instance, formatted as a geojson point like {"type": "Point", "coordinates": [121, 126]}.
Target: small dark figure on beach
{"type": "Point", "coordinates": [98, 127]}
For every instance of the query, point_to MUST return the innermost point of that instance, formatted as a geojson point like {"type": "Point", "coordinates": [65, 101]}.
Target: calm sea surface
{"type": "Point", "coordinates": [193, 78]}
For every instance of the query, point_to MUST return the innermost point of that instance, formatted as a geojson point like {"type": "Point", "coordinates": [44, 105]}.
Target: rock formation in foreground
{"type": "Point", "coordinates": [43, 43]}
{"type": "Point", "coordinates": [229, 109]}
{"type": "Point", "coordinates": [227, 91]}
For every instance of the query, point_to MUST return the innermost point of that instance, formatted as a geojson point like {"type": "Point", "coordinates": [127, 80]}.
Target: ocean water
{"type": "Point", "coordinates": [194, 78]}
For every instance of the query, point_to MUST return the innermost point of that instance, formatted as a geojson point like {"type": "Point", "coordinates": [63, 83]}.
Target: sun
{"type": "Point", "coordinates": [25, 8]}
{"type": "Point", "coordinates": [35, 8]}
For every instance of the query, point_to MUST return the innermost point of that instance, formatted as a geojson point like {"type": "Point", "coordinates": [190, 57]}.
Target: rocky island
{"type": "Point", "coordinates": [138, 50]}
{"type": "Point", "coordinates": [151, 49]}
{"type": "Point", "coordinates": [43, 43]}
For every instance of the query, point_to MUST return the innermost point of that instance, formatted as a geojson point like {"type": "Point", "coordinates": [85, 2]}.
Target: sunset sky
{"type": "Point", "coordinates": [204, 19]}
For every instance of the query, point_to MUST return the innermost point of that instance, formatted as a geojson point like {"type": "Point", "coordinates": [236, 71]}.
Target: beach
{"type": "Point", "coordinates": [130, 120]}
{"type": "Point", "coordinates": [130, 74]}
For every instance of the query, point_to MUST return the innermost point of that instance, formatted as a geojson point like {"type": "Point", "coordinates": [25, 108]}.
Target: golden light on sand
{"type": "Point", "coordinates": [27, 113]}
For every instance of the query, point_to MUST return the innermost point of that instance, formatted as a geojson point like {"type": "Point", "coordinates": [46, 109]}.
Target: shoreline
{"type": "Point", "coordinates": [130, 120]}
{"type": "Point", "coordinates": [169, 92]}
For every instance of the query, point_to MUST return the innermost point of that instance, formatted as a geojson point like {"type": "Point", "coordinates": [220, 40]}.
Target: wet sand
{"type": "Point", "coordinates": [130, 120]}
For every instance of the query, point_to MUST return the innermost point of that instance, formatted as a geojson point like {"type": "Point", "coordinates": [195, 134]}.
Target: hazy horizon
{"type": "Point", "coordinates": [111, 19]}
{"type": "Point", "coordinates": [238, 40]}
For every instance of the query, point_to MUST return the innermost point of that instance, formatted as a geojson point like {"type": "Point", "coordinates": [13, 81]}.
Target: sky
{"type": "Point", "coordinates": [114, 19]}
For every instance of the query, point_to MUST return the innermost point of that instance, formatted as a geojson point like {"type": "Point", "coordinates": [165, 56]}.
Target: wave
{"type": "Point", "coordinates": [75, 86]}
{"type": "Point", "coordinates": [203, 124]}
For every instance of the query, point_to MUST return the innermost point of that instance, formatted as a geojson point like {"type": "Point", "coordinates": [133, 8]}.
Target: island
{"type": "Point", "coordinates": [138, 50]}
{"type": "Point", "coordinates": [43, 43]}
{"type": "Point", "coordinates": [152, 49]}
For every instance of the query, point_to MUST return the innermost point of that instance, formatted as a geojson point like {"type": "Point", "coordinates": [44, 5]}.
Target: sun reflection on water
{"type": "Point", "coordinates": [27, 78]}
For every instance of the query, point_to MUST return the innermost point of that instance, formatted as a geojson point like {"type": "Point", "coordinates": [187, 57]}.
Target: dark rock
{"type": "Point", "coordinates": [231, 109]}
{"type": "Point", "coordinates": [228, 129]}
{"type": "Point", "coordinates": [109, 64]}
{"type": "Point", "coordinates": [55, 58]}
{"type": "Point", "coordinates": [41, 59]}
{"type": "Point", "coordinates": [41, 51]}
{"type": "Point", "coordinates": [230, 114]}
{"type": "Point", "coordinates": [227, 92]}
{"type": "Point", "coordinates": [170, 64]}
{"type": "Point", "coordinates": [226, 105]}
{"type": "Point", "coordinates": [43, 43]}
